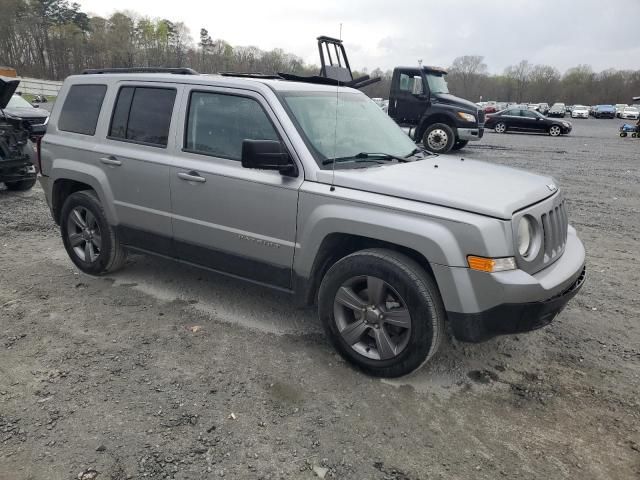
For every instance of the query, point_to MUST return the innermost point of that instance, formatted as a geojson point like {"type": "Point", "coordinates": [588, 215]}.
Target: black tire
{"type": "Point", "coordinates": [419, 293]}
{"type": "Point", "coordinates": [21, 185]}
{"type": "Point", "coordinates": [459, 145]}
{"type": "Point", "coordinates": [438, 138]}
{"type": "Point", "coordinates": [623, 134]}
{"type": "Point", "coordinates": [111, 255]}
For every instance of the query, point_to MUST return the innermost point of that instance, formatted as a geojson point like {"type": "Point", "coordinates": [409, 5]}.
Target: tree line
{"type": "Point", "coordinates": [52, 39]}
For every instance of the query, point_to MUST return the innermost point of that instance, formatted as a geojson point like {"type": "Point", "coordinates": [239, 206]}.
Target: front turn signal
{"type": "Point", "coordinates": [490, 265]}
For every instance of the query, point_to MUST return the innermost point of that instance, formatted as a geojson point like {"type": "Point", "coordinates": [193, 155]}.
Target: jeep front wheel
{"type": "Point", "coordinates": [92, 244]}
{"type": "Point", "coordinates": [438, 138]}
{"type": "Point", "coordinates": [381, 311]}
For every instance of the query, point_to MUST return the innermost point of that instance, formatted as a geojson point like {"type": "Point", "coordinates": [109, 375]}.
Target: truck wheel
{"type": "Point", "coordinates": [21, 185]}
{"type": "Point", "coordinates": [382, 312]}
{"type": "Point", "coordinates": [439, 138]}
{"type": "Point", "coordinates": [500, 127]}
{"type": "Point", "coordinates": [92, 244]}
{"type": "Point", "coordinates": [459, 145]}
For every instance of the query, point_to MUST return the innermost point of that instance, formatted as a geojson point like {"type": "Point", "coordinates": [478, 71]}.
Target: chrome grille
{"type": "Point", "coordinates": [481, 117]}
{"type": "Point", "coordinates": [555, 224]}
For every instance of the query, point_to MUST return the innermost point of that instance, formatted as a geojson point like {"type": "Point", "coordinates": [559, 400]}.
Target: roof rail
{"type": "Point", "coordinates": [252, 75]}
{"type": "Point", "coordinates": [177, 71]}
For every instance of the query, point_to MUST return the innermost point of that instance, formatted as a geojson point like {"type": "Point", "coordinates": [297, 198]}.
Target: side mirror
{"type": "Point", "coordinates": [268, 155]}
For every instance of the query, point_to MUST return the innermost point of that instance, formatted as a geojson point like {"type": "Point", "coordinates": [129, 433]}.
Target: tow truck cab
{"type": "Point", "coordinates": [420, 100]}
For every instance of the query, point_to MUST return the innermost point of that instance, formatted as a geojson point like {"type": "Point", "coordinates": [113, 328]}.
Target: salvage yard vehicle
{"type": "Point", "coordinates": [630, 113]}
{"type": "Point", "coordinates": [580, 111]}
{"type": "Point", "coordinates": [557, 110]}
{"type": "Point", "coordinates": [311, 189]}
{"type": "Point", "coordinates": [17, 171]}
{"type": "Point", "coordinates": [604, 111]}
{"type": "Point", "coordinates": [525, 120]}
{"type": "Point", "coordinates": [18, 107]}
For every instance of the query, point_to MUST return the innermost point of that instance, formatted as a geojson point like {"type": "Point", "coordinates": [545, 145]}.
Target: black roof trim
{"type": "Point", "coordinates": [252, 75]}
{"type": "Point", "coordinates": [177, 71]}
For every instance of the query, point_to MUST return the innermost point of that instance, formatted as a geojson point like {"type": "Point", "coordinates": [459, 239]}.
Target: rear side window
{"type": "Point", "coordinates": [217, 124]}
{"type": "Point", "coordinates": [81, 109]}
{"type": "Point", "coordinates": [143, 115]}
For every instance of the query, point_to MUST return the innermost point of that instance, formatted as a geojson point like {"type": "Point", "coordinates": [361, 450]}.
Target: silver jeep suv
{"type": "Point", "coordinates": [310, 189]}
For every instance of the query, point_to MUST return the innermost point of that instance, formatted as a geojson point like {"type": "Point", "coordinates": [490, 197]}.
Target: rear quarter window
{"type": "Point", "coordinates": [81, 109]}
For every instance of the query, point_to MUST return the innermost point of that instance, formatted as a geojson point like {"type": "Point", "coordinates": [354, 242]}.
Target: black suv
{"type": "Point", "coordinates": [17, 171]}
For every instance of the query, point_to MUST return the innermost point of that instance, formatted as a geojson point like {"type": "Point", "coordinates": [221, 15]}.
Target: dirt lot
{"type": "Point", "coordinates": [164, 371]}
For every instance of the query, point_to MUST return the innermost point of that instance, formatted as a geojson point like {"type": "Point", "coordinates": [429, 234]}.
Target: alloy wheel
{"type": "Point", "coordinates": [83, 233]}
{"type": "Point", "coordinates": [554, 131]}
{"type": "Point", "coordinates": [500, 128]}
{"type": "Point", "coordinates": [372, 317]}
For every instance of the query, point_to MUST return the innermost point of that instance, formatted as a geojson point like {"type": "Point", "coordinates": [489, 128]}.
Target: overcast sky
{"type": "Point", "coordinates": [385, 33]}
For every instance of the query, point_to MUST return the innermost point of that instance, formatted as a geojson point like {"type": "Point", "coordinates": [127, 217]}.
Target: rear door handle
{"type": "Point", "coordinates": [191, 177]}
{"type": "Point", "coordinates": [111, 160]}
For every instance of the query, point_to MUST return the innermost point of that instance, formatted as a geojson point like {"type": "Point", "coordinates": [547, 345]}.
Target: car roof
{"type": "Point", "coordinates": [214, 80]}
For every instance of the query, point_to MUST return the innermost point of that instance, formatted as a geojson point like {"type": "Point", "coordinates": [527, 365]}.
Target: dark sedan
{"type": "Point", "coordinates": [522, 120]}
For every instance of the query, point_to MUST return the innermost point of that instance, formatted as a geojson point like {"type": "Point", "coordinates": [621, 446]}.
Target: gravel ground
{"type": "Point", "coordinates": [165, 371]}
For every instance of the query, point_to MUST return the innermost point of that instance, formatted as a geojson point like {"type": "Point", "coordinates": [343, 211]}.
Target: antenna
{"type": "Point", "coordinates": [335, 132]}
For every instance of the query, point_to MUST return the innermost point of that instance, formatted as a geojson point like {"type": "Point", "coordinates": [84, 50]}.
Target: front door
{"type": "Point", "coordinates": [409, 100]}
{"type": "Point", "coordinates": [229, 218]}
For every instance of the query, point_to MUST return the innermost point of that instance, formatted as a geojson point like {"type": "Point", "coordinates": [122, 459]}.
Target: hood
{"type": "Point", "coordinates": [469, 185]}
{"type": "Point", "coordinates": [27, 112]}
{"type": "Point", "coordinates": [448, 99]}
{"type": "Point", "coordinates": [7, 88]}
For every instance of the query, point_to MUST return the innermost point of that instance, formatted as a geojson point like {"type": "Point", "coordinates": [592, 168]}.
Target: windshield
{"type": "Point", "coordinates": [437, 83]}
{"type": "Point", "coordinates": [357, 126]}
{"type": "Point", "coordinates": [18, 102]}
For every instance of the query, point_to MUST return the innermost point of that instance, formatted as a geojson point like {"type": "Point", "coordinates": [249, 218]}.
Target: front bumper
{"type": "Point", "coordinates": [510, 318]}
{"type": "Point", "coordinates": [15, 171]}
{"type": "Point", "coordinates": [470, 134]}
{"type": "Point", "coordinates": [482, 305]}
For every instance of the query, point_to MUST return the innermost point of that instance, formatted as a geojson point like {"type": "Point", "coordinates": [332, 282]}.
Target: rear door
{"type": "Point", "coordinates": [135, 158]}
{"type": "Point", "coordinates": [229, 218]}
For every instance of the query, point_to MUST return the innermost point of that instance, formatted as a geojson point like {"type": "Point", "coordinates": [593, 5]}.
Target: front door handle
{"type": "Point", "coordinates": [111, 160]}
{"type": "Point", "coordinates": [191, 177]}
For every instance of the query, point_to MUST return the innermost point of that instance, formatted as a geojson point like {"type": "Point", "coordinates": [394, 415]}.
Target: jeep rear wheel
{"type": "Point", "coordinates": [92, 244]}
{"type": "Point", "coordinates": [438, 138]}
{"type": "Point", "coordinates": [382, 312]}
{"type": "Point", "coordinates": [21, 185]}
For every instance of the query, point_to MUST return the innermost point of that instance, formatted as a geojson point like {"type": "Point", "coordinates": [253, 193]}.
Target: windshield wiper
{"type": "Point", "coordinates": [365, 157]}
{"type": "Point", "coordinates": [416, 151]}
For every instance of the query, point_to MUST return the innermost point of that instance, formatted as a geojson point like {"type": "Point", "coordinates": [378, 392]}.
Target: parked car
{"type": "Point", "coordinates": [557, 110]}
{"type": "Point", "coordinates": [605, 111]}
{"type": "Point", "coordinates": [568, 109]}
{"type": "Point", "coordinates": [18, 107]}
{"type": "Point", "coordinates": [630, 113]}
{"type": "Point", "coordinates": [619, 108]}
{"type": "Point", "coordinates": [525, 120]}
{"type": "Point", "coordinates": [311, 189]}
{"type": "Point", "coordinates": [490, 107]}
{"type": "Point", "coordinates": [543, 108]}
{"type": "Point", "coordinates": [534, 107]}
{"type": "Point", "coordinates": [580, 111]}
{"type": "Point", "coordinates": [17, 171]}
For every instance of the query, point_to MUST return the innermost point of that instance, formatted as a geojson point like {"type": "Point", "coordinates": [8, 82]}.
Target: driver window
{"type": "Point", "coordinates": [411, 84]}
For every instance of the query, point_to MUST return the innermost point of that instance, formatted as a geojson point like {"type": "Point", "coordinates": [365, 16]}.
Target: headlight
{"type": "Point", "coordinates": [467, 117]}
{"type": "Point", "coordinates": [525, 236]}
